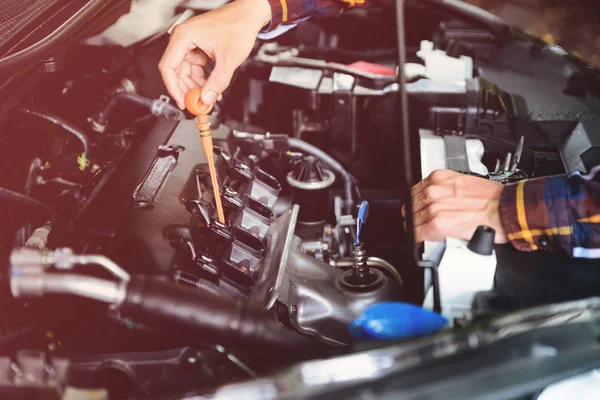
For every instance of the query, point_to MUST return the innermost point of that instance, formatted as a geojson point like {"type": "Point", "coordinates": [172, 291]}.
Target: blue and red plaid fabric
{"type": "Point", "coordinates": [557, 213]}
{"type": "Point", "coordinates": [290, 11]}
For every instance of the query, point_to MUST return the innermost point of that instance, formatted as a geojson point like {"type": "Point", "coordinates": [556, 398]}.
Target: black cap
{"type": "Point", "coordinates": [309, 170]}
{"type": "Point", "coordinates": [482, 241]}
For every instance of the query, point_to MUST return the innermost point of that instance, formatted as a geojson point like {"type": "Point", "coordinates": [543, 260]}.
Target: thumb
{"type": "Point", "coordinates": [217, 82]}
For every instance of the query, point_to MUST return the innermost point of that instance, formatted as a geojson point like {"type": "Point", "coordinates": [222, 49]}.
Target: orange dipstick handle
{"type": "Point", "coordinates": [194, 105]}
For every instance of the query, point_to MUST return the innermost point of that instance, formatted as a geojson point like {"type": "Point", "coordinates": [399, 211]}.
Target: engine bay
{"type": "Point", "coordinates": [120, 277]}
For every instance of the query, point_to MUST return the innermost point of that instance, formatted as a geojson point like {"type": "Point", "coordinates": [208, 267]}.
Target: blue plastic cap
{"type": "Point", "coordinates": [363, 211]}
{"type": "Point", "coordinates": [395, 320]}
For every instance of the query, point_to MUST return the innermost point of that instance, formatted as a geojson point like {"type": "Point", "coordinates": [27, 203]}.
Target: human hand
{"type": "Point", "coordinates": [448, 203]}
{"type": "Point", "coordinates": [225, 35]}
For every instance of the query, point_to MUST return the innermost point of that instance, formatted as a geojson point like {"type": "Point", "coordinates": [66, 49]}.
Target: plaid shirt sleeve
{"type": "Point", "coordinates": [557, 213]}
{"type": "Point", "coordinates": [290, 11]}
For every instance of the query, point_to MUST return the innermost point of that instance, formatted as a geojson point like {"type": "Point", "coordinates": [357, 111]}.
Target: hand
{"type": "Point", "coordinates": [225, 35]}
{"type": "Point", "coordinates": [448, 203]}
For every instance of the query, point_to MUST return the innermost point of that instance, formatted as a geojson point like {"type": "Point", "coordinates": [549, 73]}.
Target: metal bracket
{"type": "Point", "coordinates": [343, 115]}
{"type": "Point", "coordinates": [456, 153]}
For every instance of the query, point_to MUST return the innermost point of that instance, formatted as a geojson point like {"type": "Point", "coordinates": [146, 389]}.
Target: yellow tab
{"type": "Point", "coordinates": [594, 219]}
{"type": "Point", "coordinates": [284, 11]}
{"type": "Point", "coordinates": [522, 218]}
{"type": "Point", "coordinates": [560, 231]}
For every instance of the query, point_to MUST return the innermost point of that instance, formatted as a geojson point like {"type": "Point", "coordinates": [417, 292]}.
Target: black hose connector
{"type": "Point", "coordinates": [58, 121]}
{"type": "Point", "coordinates": [314, 151]}
{"type": "Point", "coordinates": [196, 313]}
{"type": "Point", "coordinates": [31, 203]}
{"type": "Point", "coordinates": [159, 107]}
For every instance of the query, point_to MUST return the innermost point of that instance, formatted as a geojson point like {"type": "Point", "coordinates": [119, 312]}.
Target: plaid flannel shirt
{"type": "Point", "coordinates": [290, 11]}
{"type": "Point", "coordinates": [556, 213]}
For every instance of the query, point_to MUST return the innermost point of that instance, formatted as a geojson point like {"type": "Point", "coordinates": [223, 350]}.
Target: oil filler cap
{"type": "Point", "coordinates": [482, 242]}
{"type": "Point", "coordinates": [395, 320]}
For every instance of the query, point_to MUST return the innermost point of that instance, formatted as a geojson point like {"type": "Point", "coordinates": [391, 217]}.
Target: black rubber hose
{"type": "Point", "coordinates": [49, 212]}
{"type": "Point", "coordinates": [58, 121]}
{"type": "Point", "coordinates": [170, 111]}
{"type": "Point", "coordinates": [7, 341]}
{"type": "Point", "coordinates": [116, 98]}
{"type": "Point", "coordinates": [194, 313]}
{"type": "Point", "coordinates": [349, 180]}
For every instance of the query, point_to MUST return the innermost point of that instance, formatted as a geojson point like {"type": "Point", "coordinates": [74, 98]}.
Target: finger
{"type": "Point", "coordinates": [185, 76]}
{"type": "Point", "coordinates": [470, 205]}
{"type": "Point", "coordinates": [197, 57]}
{"type": "Point", "coordinates": [218, 81]}
{"type": "Point", "coordinates": [457, 224]}
{"type": "Point", "coordinates": [430, 195]}
{"type": "Point", "coordinates": [183, 86]}
{"type": "Point", "coordinates": [437, 176]}
{"type": "Point", "coordinates": [197, 75]}
{"type": "Point", "coordinates": [171, 60]}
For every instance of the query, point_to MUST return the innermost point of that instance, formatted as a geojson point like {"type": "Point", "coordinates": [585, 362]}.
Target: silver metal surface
{"type": "Point", "coordinates": [272, 54]}
{"type": "Point", "coordinates": [374, 262]}
{"type": "Point", "coordinates": [83, 286]}
{"type": "Point", "coordinates": [285, 252]}
{"type": "Point", "coordinates": [26, 260]}
{"type": "Point", "coordinates": [507, 162]}
{"type": "Point", "coordinates": [328, 181]}
{"type": "Point", "coordinates": [104, 262]}
{"type": "Point", "coordinates": [518, 153]}
{"type": "Point", "coordinates": [318, 304]}
{"type": "Point", "coordinates": [456, 153]}
{"type": "Point", "coordinates": [304, 78]}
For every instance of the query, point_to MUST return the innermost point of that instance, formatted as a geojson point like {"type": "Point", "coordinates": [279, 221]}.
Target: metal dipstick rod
{"type": "Point", "coordinates": [194, 105]}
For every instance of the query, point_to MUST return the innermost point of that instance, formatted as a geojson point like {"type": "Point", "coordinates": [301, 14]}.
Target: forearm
{"type": "Point", "coordinates": [558, 213]}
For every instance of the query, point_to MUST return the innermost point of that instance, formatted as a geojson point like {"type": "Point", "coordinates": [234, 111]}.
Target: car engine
{"type": "Point", "coordinates": [118, 275]}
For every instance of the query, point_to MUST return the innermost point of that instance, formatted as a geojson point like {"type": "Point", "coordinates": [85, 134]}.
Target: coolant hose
{"type": "Point", "coordinates": [314, 151]}
{"type": "Point", "coordinates": [58, 121]}
{"type": "Point", "coordinates": [201, 314]}
{"type": "Point", "coordinates": [29, 202]}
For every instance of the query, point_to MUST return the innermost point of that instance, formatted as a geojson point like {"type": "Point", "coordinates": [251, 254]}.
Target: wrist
{"type": "Point", "coordinates": [258, 10]}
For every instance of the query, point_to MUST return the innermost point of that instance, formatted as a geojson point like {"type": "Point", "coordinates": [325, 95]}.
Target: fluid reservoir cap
{"type": "Point", "coordinates": [396, 320]}
{"type": "Point", "coordinates": [482, 241]}
{"type": "Point", "coordinates": [310, 174]}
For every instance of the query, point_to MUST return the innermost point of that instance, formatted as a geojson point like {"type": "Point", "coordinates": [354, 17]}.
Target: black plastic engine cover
{"type": "Point", "coordinates": [130, 234]}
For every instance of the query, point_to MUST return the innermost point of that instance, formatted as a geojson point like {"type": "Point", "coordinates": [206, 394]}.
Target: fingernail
{"type": "Point", "coordinates": [209, 97]}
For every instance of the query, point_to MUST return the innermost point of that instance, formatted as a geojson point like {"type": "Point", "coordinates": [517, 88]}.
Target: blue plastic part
{"type": "Point", "coordinates": [358, 229]}
{"type": "Point", "coordinates": [396, 320]}
{"type": "Point", "coordinates": [361, 218]}
{"type": "Point", "coordinates": [363, 211]}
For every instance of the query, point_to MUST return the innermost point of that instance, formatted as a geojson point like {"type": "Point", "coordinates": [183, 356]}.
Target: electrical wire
{"type": "Point", "coordinates": [30, 202]}
{"type": "Point", "coordinates": [58, 121]}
